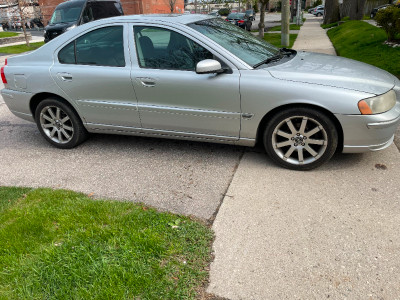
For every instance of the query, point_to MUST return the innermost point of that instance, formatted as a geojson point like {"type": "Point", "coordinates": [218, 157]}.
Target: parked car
{"type": "Point", "coordinates": [70, 14]}
{"type": "Point", "coordinates": [36, 22]}
{"type": "Point", "coordinates": [214, 13]}
{"type": "Point", "coordinates": [250, 14]}
{"type": "Point", "coordinates": [319, 11]}
{"type": "Point", "coordinates": [240, 19]}
{"type": "Point", "coordinates": [201, 78]}
{"type": "Point", "coordinates": [376, 9]}
{"type": "Point", "coordinates": [314, 8]}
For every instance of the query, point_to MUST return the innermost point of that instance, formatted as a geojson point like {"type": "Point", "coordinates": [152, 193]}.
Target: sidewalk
{"type": "Point", "coordinates": [34, 39]}
{"type": "Point", "coordinates": [313, 38]}
{"type": "Point", "coordinates": [329, 233]}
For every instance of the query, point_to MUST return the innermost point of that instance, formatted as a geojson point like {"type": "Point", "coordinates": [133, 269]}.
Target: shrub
{"type": "Point", "coordinates": [255, 7]}
{"type": "Point", "coordinates": [224, 11]}
{"type": "Point", "coordinates": [389, 20]}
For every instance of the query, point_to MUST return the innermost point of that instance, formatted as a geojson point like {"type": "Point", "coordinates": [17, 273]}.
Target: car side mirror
{"type": "Point", "coordinates": [208, 66]}
{"type": "Point", "coordinates": [85, 19]}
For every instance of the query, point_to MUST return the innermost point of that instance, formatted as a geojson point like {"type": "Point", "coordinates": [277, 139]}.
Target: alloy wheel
{"type": "Point", "coordinates": [56, 124]}
{"type": "Point", "coordinates": [299, 140]}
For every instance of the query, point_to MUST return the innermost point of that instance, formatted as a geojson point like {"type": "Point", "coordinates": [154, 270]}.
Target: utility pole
{"type": "Point", "coordinates": [285, 18]}
{"type": "Point", "coordinates": [298, 15]}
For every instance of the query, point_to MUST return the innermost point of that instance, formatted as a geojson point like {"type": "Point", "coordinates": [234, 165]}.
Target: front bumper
{"type": "Point", "coordinates": [362, 133]}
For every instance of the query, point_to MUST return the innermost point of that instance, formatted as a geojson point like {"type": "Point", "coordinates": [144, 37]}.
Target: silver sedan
{"type": "Point", "coordinates": [201, 78]}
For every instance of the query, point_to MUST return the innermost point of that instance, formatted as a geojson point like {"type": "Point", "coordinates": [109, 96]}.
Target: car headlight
{"type": "Point", "coordinates": [69, 28]}
{"type": "Point", "coordinates": [378, 104]}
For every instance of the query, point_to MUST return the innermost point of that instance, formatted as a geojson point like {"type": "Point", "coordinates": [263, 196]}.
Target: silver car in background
{"type": "Point", "coordinates": [201, 78]}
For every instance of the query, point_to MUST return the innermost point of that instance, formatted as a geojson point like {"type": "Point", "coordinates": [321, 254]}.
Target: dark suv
{"type": "Point", "coordinates": [73, 13]}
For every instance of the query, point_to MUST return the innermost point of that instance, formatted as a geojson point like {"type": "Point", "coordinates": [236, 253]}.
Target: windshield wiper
{"type": "Point", "coordinates": [286, 51]}
{"type": "Point", "coordinates": [276, 57]}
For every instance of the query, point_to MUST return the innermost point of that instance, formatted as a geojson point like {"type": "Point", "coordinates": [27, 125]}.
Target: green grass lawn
{"type": "Point", "coordinates": [291, 27]}
{"type": "Point", "coordinates": [5, 34]}
{"type": "Point", "coordinates": [58, 244]}
{"type": "Point", "coordinates": [364, 42]}
{"type": "Point", "coordinates": [275, 39]}
{"type": "Point", "coordinates": [330, 25]}
{"type": "Point", "coordinates": [20, 48]}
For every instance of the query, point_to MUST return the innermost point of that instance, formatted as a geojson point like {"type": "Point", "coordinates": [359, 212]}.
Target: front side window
{"type": "Point", "coordinates": [244, 45]}
{"type": "Point", "coordinates": [106, 9]}
{"type": "Point", "coordinates": [159, 48]}
{"type": "Point", "coordinates": [100, 47]}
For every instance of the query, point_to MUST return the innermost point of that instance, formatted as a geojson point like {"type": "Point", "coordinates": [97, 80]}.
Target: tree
{"type": "Point", "coordinates": [332, 14]}
{"type": "Point", "coordinates": [357, 9]}
{"type": "Point", "coordinates": [22, 11]}
{"type": "Point", "coordinates": [261, 25]}
{"type": "Point", "coordinates": [171, 5]}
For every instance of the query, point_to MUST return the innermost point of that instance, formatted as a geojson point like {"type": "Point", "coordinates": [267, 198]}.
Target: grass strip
{"type": "Point", "coordinates": [20, 48]}
{"type": "Point", "coordinates": [330, 25]}
{"type": "Point", "coordinates": [5, 34]}
{"type": "Point", "coordinates": [275, 39]}
{"type": "Point", "coordinates": [58, 244]}
{"type": "Point", "coordinates": [364, 42]}
{"type": "Point", "coordinates": [279, 27]}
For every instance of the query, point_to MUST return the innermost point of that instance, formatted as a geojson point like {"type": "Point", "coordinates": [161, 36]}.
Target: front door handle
{"type": "Point", "coordinates": [65, 76]}
{"type": "Point", "coordinates": [147, 81]}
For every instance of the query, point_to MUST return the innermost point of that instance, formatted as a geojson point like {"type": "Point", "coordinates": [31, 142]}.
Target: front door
{"type": "Point", "coordinates": [172, 97]}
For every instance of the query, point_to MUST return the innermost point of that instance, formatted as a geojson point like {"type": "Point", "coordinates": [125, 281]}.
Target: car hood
{"type": "Point", "coordinates": [59, 26]}
{"type": "Point", "coordinates": [334, 71]}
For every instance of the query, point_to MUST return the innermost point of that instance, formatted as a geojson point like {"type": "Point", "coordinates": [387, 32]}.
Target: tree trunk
{"type": "Point", "coordinates": [331, 14]}
{"type": "Point", "coordinates": [261, 25]}
{"type": "Point", "coordinates": [21, 15]}
{"type": "Point", "coordinates": [285, 23]}
{"type": "Point", "coordinates": [357, 9]}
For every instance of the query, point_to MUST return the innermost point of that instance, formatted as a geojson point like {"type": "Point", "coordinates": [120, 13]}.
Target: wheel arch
{"type": "Point", "coordinates": [36, 99]}
{"type": "Point", "coordinates": [267, 117]}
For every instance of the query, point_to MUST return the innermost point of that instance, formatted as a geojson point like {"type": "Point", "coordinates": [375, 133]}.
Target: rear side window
{"type": "Point", "coordinates": [106, 9]}
{"type": "Point", "coordinates": [100, 47]}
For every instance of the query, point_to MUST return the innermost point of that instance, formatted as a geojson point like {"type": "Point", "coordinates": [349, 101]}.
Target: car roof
{"type": "Point", "coordinates": [168, 18]}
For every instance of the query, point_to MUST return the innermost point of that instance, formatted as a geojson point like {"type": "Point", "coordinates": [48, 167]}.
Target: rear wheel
{"type": "Point", "coordinates": [59, 124]}
{"type": "Point", "coordinates": [300, 138]}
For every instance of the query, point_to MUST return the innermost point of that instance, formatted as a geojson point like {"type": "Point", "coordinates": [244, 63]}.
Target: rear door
{"type": "Point", "coordinates": [94, 71]}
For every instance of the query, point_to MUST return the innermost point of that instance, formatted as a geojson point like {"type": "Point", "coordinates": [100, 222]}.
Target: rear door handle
{"type": "Point", "coordinates": [147, 81]}
{"type": "Point", "coordinates": [65, 76]}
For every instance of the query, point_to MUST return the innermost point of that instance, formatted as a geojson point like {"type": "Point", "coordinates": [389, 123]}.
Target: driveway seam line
{"type": "Point", "coordinates": [214, 215]}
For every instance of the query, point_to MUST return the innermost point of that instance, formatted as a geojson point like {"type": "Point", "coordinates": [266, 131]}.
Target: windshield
{"type": "Point", "coordinates": [244, 45]}
{"type": "Point", "coordinates": [67, 12]}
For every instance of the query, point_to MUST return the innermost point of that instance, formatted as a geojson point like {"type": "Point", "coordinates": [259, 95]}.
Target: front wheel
{"type": "Point", "coordinates": [59, 124]}
{"type": "Point", "coordinates": [300, 138]}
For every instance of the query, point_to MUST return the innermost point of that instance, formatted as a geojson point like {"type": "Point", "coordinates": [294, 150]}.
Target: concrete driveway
{"type": "Point", "coordinates": [183, 177]}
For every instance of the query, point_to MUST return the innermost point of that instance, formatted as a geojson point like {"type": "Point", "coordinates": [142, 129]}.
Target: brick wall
{"type": "Point", "coordinates": [130, 7]}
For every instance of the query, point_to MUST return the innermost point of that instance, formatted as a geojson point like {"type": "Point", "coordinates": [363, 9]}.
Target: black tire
{"type": "Point", "coordinates": [319, 14]}
{"type": "Point", "coordinates": [296, 147]}
{"type": "Point", "coordinates": [249, 26]}
{"type": "Point", "coordinates": [64, 130]}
